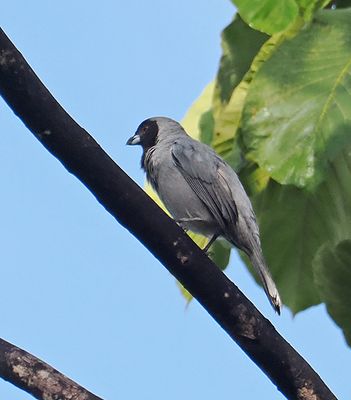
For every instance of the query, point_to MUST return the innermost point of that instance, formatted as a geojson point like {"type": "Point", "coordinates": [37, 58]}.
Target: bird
{"type": "Point", "coordinates": [201, 191]}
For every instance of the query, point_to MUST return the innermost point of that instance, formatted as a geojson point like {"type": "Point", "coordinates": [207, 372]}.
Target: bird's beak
{"type": "Point", "coordinates": [133, 140]}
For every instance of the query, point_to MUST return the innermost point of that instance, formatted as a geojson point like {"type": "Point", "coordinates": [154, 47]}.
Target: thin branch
{"type": "Point", "coordinates": [36, 377]}
{"type": "Point", "coordinates": [84, 158]}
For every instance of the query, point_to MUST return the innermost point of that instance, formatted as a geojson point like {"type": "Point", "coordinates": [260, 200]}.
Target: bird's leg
{"type": "Point", "coordinates": [182, 221]}
{"type": "Point", "coordinates": [209, 244]}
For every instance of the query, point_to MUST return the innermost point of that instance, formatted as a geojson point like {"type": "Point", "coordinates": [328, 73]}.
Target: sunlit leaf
{"type": "Point", "coordinates": [191, 120]}
{"type": "Point", "coordinates": [255, 179]}
{"type": "Point", "coordinates": [309, 7]}
{"type": "Point", "coordinates": [269, 16]}
{"type": "Point", "coordinates": [297, 114]}
{"type": "Point", "coordinates": [227, 112]}
{"type": "Point", "coordinates": [206, 127]}
{"type": "Point", "coordinates": [187, 296]}
{"type": "Point", "coordinates": [240, 44]}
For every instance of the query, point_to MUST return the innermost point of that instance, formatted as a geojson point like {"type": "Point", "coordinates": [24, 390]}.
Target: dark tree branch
{"type": "Point", "coordinates": [36, 377]}
{"type": "Point", "coordinates": [84, 158]}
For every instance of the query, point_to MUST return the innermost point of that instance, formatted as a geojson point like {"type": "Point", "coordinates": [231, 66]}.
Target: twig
{"type": "Point", "coordinates": [36, 377]}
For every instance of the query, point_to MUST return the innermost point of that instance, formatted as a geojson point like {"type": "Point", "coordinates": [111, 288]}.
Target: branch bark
{"type": "Point", "coordinates": [83, 157]}
{"type": "Point", "coordinates": [36, 377]}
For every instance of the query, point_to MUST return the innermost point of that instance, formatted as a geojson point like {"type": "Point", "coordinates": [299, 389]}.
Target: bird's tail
{"type": "Point", "coordinates": [271, 290]}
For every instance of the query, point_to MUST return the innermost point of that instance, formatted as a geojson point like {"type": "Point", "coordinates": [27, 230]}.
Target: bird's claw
{"type": "Point", "coordinates": [180, 223]}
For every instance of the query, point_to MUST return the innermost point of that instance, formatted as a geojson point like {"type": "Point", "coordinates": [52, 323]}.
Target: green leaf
{"type": "Point", "coordinates": [342, 3]}
{"type": "Point", "coordinates": [203, 104]}
{"type": "Point", "coordinates": [295, 223]}
{"type": "Point", "coordinates": [187, 296]}
{"type": "Point", "coordinates": [254, 179]}
{"type": "Point", "coordinates": [206, 127]}
{"type": "Point", "coordinates": [227, 116]}
{"type": "Point", "coordinates": [291, 233]}
{"type": "Point", "coordinates": [332, 272]}
{"type": "Point", "coordinates": [309, 7]}
{"type": "Point", "coordinates": [240, 45]}
{"type": "Point", "coordinates": [220, 253]}
{"type": "Point", "coordinates": [269, 16]}
{"type": "Point", "coordinates": [227, 112]}
{"type": "Point", "coordinates": [297, 114]}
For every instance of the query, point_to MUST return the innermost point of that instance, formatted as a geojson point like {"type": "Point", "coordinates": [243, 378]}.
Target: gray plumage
{"type": "Point", "coordinates": [201, 191]}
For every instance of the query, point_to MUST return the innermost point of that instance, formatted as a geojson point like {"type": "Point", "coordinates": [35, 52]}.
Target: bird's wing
{"type": "Point", "coordinates": [203, 170]}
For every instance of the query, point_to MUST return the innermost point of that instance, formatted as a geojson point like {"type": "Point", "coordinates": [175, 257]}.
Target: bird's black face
{"type": "Point", "coordinates": [146, 134]}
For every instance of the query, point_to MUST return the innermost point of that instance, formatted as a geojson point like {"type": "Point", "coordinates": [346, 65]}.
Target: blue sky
{"type": "Point", "coordinates": [77, 289]}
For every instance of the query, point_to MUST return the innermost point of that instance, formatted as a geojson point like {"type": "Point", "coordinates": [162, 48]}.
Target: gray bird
{"type": "Point", "coordinates": [201, 191]}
